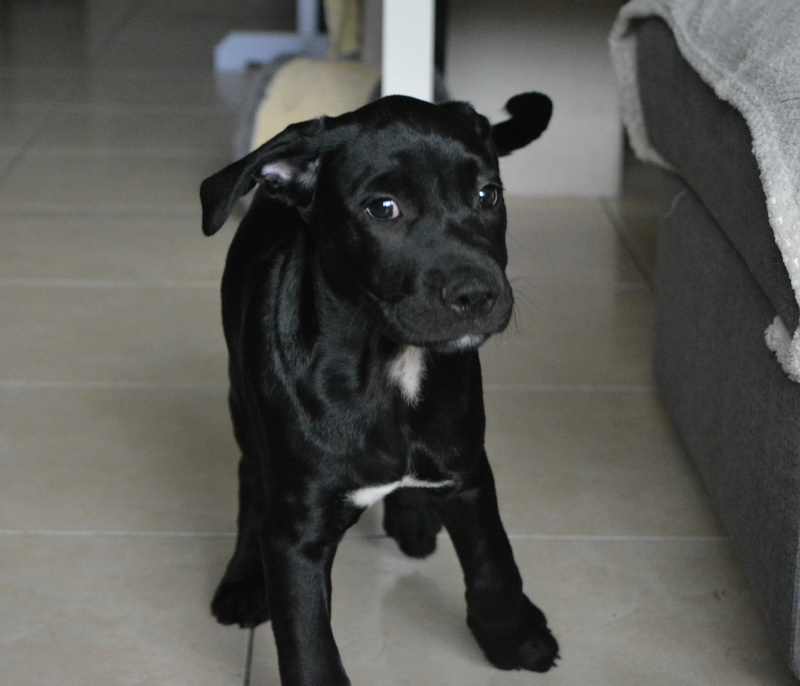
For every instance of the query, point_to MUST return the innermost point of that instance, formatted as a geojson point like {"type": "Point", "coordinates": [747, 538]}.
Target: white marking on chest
{"type": "Point", "coordinates": [406, 371]}
{"type": "Point", "coordinates": [365, 497]}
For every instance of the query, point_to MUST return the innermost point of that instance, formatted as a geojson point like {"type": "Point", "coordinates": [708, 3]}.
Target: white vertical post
{"type": "Point", "coordinates": [307, 19]}
{"type": "Point", "coordinates": [407, 61]}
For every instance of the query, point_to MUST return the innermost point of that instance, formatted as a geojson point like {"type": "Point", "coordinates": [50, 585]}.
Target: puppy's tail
{"type": "Point", "coordinates": [530, 115]}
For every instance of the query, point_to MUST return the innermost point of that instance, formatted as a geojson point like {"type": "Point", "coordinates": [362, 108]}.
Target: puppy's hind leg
{"type": "Point", "coordinates": [241, 597]}
{"type": "Point", "coordinates": [409, 519]}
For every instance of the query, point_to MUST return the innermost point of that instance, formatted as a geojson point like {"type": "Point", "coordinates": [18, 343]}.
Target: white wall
{"type": "Point", "coordinates": [497, 48]}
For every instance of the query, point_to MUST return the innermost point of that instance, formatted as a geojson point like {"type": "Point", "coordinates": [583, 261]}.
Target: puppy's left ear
{"type": "Point", "coordinates": [286, 166]}
{"type": "Point", "coordinates": [530, 115]}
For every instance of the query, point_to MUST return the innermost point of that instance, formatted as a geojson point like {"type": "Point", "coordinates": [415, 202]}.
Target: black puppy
{"type": "Point", "coordinates": [358, 287]}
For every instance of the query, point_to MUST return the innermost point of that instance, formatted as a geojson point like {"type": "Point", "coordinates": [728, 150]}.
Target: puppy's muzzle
{"type": "Point", "coordinates": [470, 294]}
{"type": "Point", "coordinates": [452, 309]}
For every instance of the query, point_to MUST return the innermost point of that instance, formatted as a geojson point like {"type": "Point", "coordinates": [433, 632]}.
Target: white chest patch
{"type": "Point", "coordinates": [365, 497]}
{"type": "Point", "coordinates": [406, 371]}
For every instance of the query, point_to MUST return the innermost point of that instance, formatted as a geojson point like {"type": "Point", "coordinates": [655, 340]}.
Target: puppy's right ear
{"type": "Point", "coordinates": [530, 115]}
{"type": "Point", "coordinates": [286, 165]}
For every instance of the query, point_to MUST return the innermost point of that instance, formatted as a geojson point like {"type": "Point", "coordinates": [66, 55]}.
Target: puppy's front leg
{"type": "Point", "coordinates": [299, 588]}
{"type": "Point", "coordinates": [510, 629]}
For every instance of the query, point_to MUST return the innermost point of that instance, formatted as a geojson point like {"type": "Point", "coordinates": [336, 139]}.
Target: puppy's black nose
{"type": "Point", "coordinates": [470, 295]}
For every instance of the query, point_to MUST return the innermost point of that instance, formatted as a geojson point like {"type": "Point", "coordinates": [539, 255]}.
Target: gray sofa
{"type": "Point", "coordinates": [720, 281]}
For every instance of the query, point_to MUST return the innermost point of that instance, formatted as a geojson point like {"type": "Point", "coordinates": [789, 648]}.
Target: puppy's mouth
{"type": "Point", "coordinates": [460, 337]}
{"type": "Point", "coordinates": [462, 344]}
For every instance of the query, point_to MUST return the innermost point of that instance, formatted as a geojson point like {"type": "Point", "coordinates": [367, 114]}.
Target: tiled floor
{"type": "Point", "coordinates": [116, 460]}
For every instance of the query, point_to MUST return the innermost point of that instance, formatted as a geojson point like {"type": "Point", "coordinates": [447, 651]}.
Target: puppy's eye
{"type": "Point", "coordinates": [383, 209]}
{"type": "Point", "coordinates": [488, 196]}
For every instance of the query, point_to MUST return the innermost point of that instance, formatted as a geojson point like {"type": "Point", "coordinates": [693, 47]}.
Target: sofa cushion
{"type": "Point", "coordinates": [708, 143]}
{"type": "Point", "coordinates": [735, 409]}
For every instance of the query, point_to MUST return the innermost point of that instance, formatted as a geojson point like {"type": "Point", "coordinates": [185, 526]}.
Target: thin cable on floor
{"type": "Point", "coordinates": [248, 660]}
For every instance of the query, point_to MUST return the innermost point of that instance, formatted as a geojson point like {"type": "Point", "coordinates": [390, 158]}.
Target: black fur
{"type": "Point", "coordinates": [371, 232]}
{"type": "Point", "coordinates": [530, 114]}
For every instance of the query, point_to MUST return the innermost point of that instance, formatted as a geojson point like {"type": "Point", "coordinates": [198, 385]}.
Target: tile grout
{"type": "Point", "coordinates": [103, 212]}
{"type": "Point", "coordinates": [181, 210]}
{"type": "Point", "coordinates": [533, 538]}
{"type": "Point", "coordinates": [87, 533]}
{"type": "Point", "coordinates": [104, 284]}
{"type": "Point", "coordinates": [34, 385]}
{"type": "Point", "coordinates": [569, 388]}
{"type": "Point", "coordinates": [27, 144]}
{"type": "Point", "coordinates": [56, 385]}
{"type": "Point", "coordinates": [154, 153]}
{"type": "Point", "coordinates": [618, 227]}
{"type": "Point", "coordinates": [613, 538]}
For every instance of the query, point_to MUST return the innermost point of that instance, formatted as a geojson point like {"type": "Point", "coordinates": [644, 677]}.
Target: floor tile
{"type": "Point", "coordinates": [167, 88]}
{"type": "Point", "coordinates": [124, 247]}
{"type": "Point", "coordinates": [92, 611]}
{"type": "Point", "coordinates": [6, 159]}
{"type": "Point", "coordinates": [117, 461]}
{"type": "Point", "coordinates": [94, 460]}
{"type": "Point", "coordinates": [622, 611]}
{"type": "Point", "coordinates": [636, 212]}
{"type": "Point", "coordinates": [277, 16]}
{"type": "Point", "coordinates": [99, 183]}
{"type": "Point", "coordinates": [35, 88]}
{"type": "Point", "coordinates": [18, 124]}
{"type": "Point", "coordinates": [60, 34]}
{"type": "Point", "coordinates": [147, 40]}
{"type": "Point", "coordinates": [577, 463]}
{"type": "Point", "coordinates": [112, 335]}
{"type": "Point", "coordinates": [151, 47]}
{"type": "Point", "coordinates": [637, 223]}
{"type": "Point", "coordinates": [561, 334]}
{"type": "Point", "coordinates": [566, 241]}
{"type": "Point", "coordinates": [583, 310]}
{"type": "Point", "coordinates": [157, 132]}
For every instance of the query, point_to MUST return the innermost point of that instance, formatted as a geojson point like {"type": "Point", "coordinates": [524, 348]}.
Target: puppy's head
{"type": "Point", "coordinates": [404, 206]}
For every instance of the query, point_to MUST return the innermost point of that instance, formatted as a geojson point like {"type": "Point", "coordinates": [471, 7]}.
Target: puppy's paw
{"type": "Point", "coordinates": [241, 602]}
{"type": "Point", "coordinates": [410, 520]}
{"type": "Point", "coordinates": [527, 645]}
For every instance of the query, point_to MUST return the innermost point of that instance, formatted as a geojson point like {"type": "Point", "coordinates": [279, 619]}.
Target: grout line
{"type": "Point", "coordinates": [637, 389]}
{"type": "Point", "coordinates": [22, 282]}
{"type": "Point", "coordinates": [99, 209]}
{"type": "Point", "coordinates": [27, 144]}
{"type": "Point", "coordinates": [618, 226]}
{"type": "Point", "coordinates": [566, 538]}
{"type": "Point", "coordinates": [585, 538]}
{"type": "Point", "coordinates": [67, 533]}
{"type": "Point", "coordinates": [105, 71]}
{"type": "Point", "coordinates": [93, 212]}
{"type": "Point", "coordinates": [141, 153]}
{"type": "Point", "coordinates": [613, 538]}
{"type": "Point", "coordinates": [113, 107]}
{"type": "Point", "coordinates": [38, 384]}
{"type": "Point", "coordinates": [55, 385]}
{"type": "Point", "coordinates": [145, 152]}
{"type": "Point", "coordinates": [21, 384]}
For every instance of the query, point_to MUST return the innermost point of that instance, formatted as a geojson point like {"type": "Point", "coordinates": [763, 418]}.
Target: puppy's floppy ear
{"type": "Point", "coordinates": [286, 165]}
{"type": "Point", "coordinates": [530, 115]}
